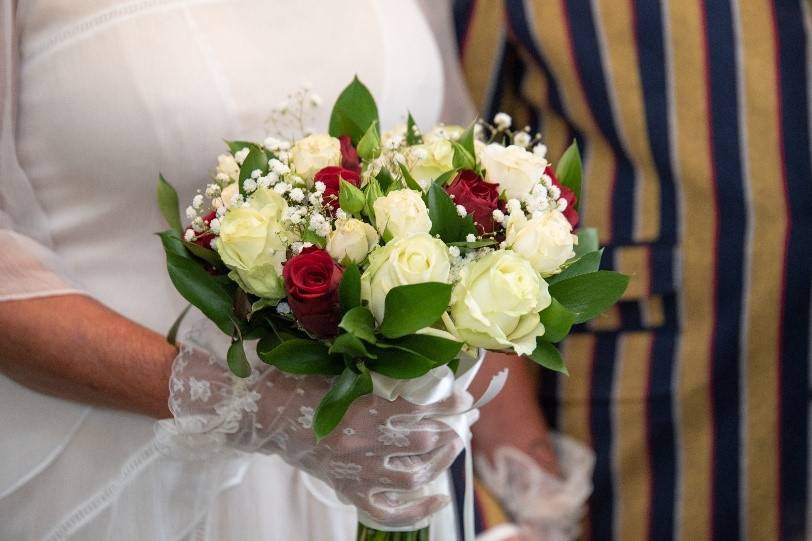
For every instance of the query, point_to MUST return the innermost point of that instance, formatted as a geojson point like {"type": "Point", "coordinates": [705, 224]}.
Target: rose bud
{"type": "Point", "coordinates": [479, 198]}
{"type": "Point", "coordinates": [203, 239]}
{"type": "Point", "coordinates": [349, 156]}
{"type": "Point", "coordinates": [331, 176]}
{"type": "Point", "coordinates": [311, 281]}
{"type": "Point", "coordinates": [569, 213]}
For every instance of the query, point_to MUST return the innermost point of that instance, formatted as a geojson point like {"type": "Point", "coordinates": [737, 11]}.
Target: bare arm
{"type": "Point", "coordinates": [73, 347]}
{"type": "Point", "coordinates": [514, 417]}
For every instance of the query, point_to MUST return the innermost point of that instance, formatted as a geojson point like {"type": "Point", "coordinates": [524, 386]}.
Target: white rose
{"type": "Point", "coordinates": [352, 239]}
{"type": "Point", "coordinates": [227, 168]}
{"type": "Point", "coordinates": [515, 169]}
{"type": "Point", "coordinates": [405, 260]}
{"type": "Point", "coordinates": [252, 243]}
{"type": "Point", "coordinates": [228, 193]}
{"type": "Point", "coordinates": [496, 303]}
{"type": "Point", "coordinates": [313, 153]}
{"type": "Point", "coordinates": [401, 213]}
{"type": "Point", "coordinates": [545, 241]}
{"type": "Point", "coordinates": [431, 159]}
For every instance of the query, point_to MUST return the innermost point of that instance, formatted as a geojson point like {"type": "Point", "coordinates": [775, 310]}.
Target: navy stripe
{"type": "Point", "coordinates": [732, 217]}
{"type": "Point", "coordinates": [794, 377]}
{"type": "Point", "coordinates": [601, 510]}
{"type": "Point", "coordinates": [458, 481]}
{"type": "Point", "coordinates": [548, 397]}
{"type": "Point", "coordinates": [463, 11]}
{"type": "Point", "coordinates": [653, 64]}
{"type": "Point", "coordinates": [661, 432]}
{"type": "Point", "coordinates": [585, 45]}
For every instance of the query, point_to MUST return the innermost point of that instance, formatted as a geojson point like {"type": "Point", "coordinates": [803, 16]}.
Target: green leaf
{"type": "Point", "coordinates": [354, 112]}
{"type": "Point", "coordinates": [348, 387]}
{"type": "Point", "coordinates": [369, 147]}
{"type": "Point", "coordinates": [462, 159]}
{"type": "Point", "coordinates": [349, 291]}
{"type": "Point", "coordinates": [172, 334]}
{"type": "Point", "coordinates": [236, 146]}
{"type": "Point", "coordinates": [557, 321]}
{"type": "Point", "coordinates": [372, 191]}
{"type": "Point", "coordinates": [411, 183]}
{"type": "Point", "coordinates": [439, 350]}
{"type": "Point", "coordinates": [548, 356]}
{"type": "Point", "coordinates": [444, 218]}
{"type": "Point", "coordinates": [256, 159]}
{"type": "Point", "coordinates": [400, 363]}
{"type": "Point", "coordinates": [348, 344]}
{"type": "Point", "coordinates": [350, 198]}
{"type": "Point", "coordinates": [589, 262]}
{"type": "Point", "coordinates": [473, 245]}
{"type": "Point", "coordinates": [413, 137]}
{"type": "Point", "coordinates": [201, 289]}
{"type": "Point", "coordinates": [587, 241]}
{"type": "Point", "coordinates": [569, 171]}
{"type": "Point", "coordinates": [383, 179]}
{"type": "Point", "coordinates": [313, 237]}
{"type": "Point", "coordinates": [409, 308]}
{"type": "Point", "coordinates": [237, 361]}
{"type": "Point", "coordinates": [590, 294]}
{"type": "Point", "coordinates": [172, 243]}
{"type": "Point", "coordinates": [206, 254]}
{"type": "Point", "coordinates": [360, 322]}
{"type": "Point", "coordinates": [466, 140]}
{"type": "Point", "coordinates": [168, 204]}
{"type": "Point", "coordinates": [300, 356]}
{"type": "Point", "coordinates": [446, 177]}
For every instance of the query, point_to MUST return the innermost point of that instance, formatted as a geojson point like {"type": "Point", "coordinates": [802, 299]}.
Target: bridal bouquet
{"type": "Point", "coordinates": [377, 257]}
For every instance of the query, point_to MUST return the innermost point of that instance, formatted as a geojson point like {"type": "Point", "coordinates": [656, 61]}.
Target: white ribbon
{"type": "Point", "coordinates": [435, 386]}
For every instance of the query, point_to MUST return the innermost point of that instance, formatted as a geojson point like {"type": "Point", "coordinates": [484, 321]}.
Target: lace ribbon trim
{"type": "Point", "coordinates": [96, 504]}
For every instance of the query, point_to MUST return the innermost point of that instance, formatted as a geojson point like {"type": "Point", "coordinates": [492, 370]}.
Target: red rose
{"type": "Point", "coordinates": [205, 239]}
{"type": "Point", "coordinates": [330, 176]}
{"type": "Point", "coordinates": [479, 198]}
{"type": "Point", "coordinates": [349, 156]}
{"type": "Point", "coordinates": [569, 213]}
{"type": "Point", "coordinates": [311, 281]}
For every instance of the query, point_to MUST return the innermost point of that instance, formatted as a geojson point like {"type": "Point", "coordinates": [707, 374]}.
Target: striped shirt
{"type": "Point", "coordinates": [694, 121]}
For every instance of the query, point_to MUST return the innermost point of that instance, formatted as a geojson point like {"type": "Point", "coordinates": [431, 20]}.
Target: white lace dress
{"type": "Point", "coordinates": [97, 96]}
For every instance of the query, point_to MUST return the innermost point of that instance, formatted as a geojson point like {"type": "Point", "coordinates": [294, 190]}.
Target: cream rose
{"type": "Point", "coordinates": [228, 170]}
{"type": "Point", "coordinates": [352, 240]}
{"type": "Point", "coordinates": [252, 243]}
{"type": "Point", "coordinates": [431, 159]}
{"type": "Point", "coordinates": [496, 303]}
{"type": "Point", "coordinates": [448, 132]}
{"type": "Point", "coordinates": [405, 260]}
{"type": "Point", "coordinates": [228, 193]}
{"type": "Point", "coordinates": [313, 153]}
{"type": "Point", "coordinates": [401, 213]}
{"type": "Point", "coordinates": [546, 241]}
{"type": "Point", "coordinates": [515, 169]}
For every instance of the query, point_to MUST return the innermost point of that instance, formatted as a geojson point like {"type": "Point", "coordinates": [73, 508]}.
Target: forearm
{"type": "Point", "coordinates": [514, 417]}
{"type": "Point", "coordinates": [76, 348]}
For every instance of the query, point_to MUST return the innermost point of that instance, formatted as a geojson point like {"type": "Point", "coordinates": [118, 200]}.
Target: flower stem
{"type": "Point", "coordinates": [365, 533]}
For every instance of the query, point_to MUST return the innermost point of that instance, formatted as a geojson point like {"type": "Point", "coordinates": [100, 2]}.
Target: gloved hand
{"type": "Point", "coordinates": [546, 506]}
{"type": "Point", "coordinates": [379, 458]}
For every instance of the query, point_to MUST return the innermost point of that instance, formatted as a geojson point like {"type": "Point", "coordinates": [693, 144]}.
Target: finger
{"type": "Point", "coordinates": [402, 509]}
{"type": "Point", "coordinates": [409, 472]}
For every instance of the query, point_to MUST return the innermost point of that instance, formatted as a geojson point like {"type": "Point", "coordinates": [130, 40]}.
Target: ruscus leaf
{"type": "Point", "coordinates": [168, 204]}
{"type": "Point", "coordinates": [347, 388]}
{"type": "Point", "coordinates": [409, 308]}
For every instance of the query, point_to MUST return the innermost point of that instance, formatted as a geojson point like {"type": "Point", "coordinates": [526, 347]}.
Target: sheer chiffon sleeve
{"type": "Point", "coordinates": [29, 266]}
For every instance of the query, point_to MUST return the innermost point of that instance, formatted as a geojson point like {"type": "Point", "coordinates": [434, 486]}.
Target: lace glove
{"type": "Point", "coordinates": [547, 508]}
{"type": "Point", "coordinates": [380, 458]}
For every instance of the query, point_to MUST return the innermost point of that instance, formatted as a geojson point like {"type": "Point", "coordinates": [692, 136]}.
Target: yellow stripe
{"type": "Point", "coordinates": [763, 310]}
{"type": "Point", "coordinates": [653, 311]}
{"type": "Point", "coordinates": [600, 162]}
{"type": "Point", "coordinates": [631, 442]}
{"type": "Point", "coordinates": [491, 512]}
{"type": "Point", "coordinates": [613, 18]}
{"type": "Point", "coordinates": [480, 58]}
{"type": "Point", "coordinates": [693, 172]}
{"type": "Point", "coordinates": [535, 90]}
{"type": "Point", "coordinates": [634, 261]}
{"type": "Point", "coordinates": [574, 393]}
